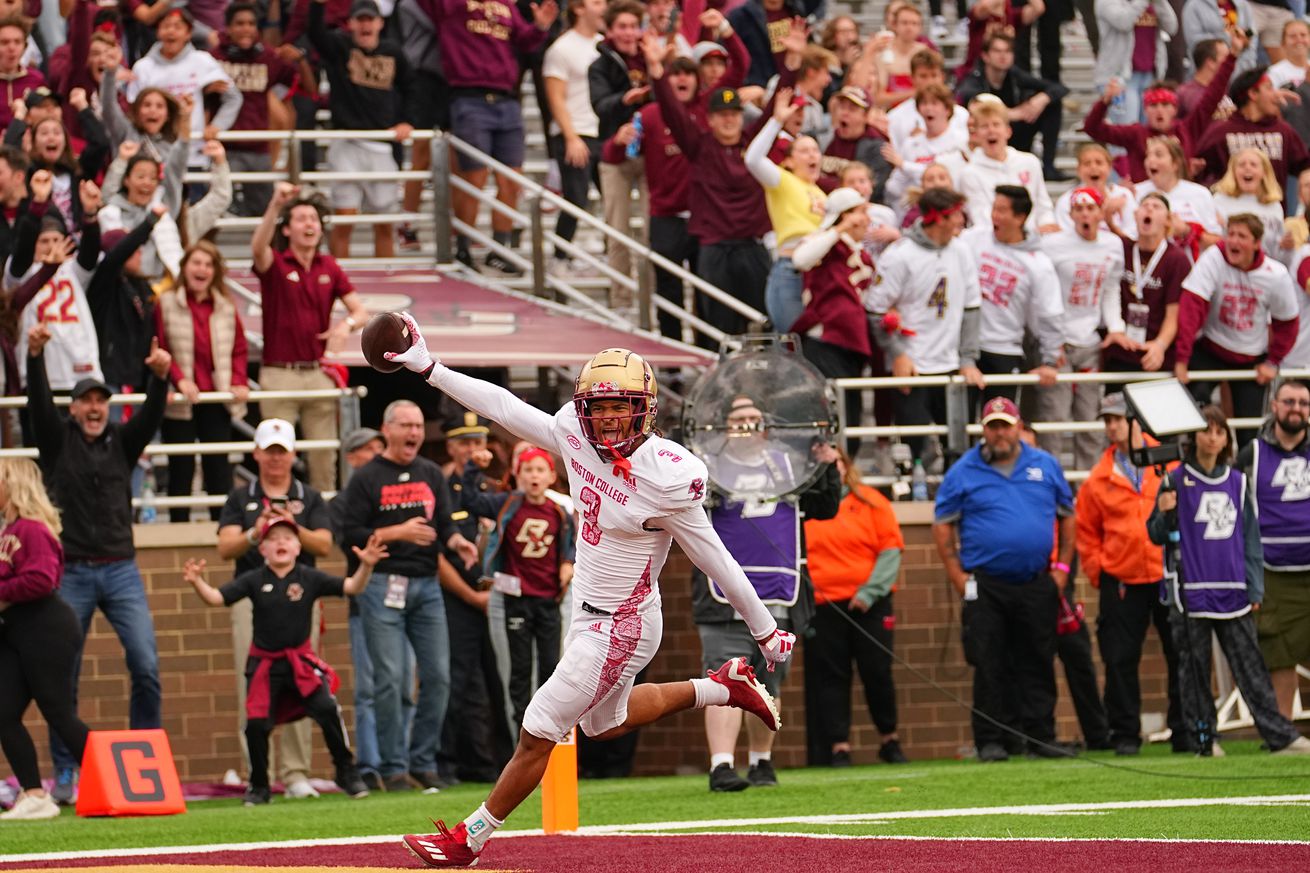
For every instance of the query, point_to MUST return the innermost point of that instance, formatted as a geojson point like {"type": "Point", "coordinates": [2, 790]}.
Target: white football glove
{"type": "Point", "coordinates": [416, 357]}
{"type": "Point", "coordinates": [777, 646]}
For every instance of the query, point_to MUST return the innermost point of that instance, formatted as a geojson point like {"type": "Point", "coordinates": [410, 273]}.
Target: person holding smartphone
{"type": "Point", "coordinates": [276, 495]}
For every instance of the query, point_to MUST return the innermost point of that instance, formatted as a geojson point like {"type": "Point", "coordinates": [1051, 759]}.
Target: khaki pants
{"type": "Point", "coordinates": [616, 184]}
{"type": "Point", "coordinates": [317, 418]}
{"type": "Point", "coordinates": [293, 751]}
{"type": "Point", "coordinates": [1069, 402]}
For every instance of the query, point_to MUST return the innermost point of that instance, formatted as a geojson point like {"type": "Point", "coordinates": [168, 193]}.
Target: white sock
{"type": "Point", "coordinates": [709, 693]}
{"type": "Point", "coordinates": [481, 825]}
{"type": "Point", "coordinates": [757, 757]}
{"type": "Point", "coordinates": [716, 760]}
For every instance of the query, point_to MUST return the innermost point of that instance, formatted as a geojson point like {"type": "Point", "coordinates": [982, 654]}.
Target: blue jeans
{"type": "Point", "coordinates": [423, 622]}
{"type": "Point", "coordinates": [366, 733]}
{"type": "Point", "coordinates": [116, 588]}
{"type": "Point", "coordinates": [1128, 110]}
{"type": "Point", "coordinates": [782, 295]}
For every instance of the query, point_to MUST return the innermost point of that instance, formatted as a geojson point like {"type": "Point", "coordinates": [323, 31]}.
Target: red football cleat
{"type": "Point", "coordinates": [445, 848]}
{"type": "Point", "coordinates": [745, 691]}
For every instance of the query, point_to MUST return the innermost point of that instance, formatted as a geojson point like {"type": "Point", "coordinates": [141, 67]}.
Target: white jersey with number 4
{"type": "Point", "coordinates": [1089, 272]}
{"type": "Point", "coordinates": [1241, 301]}
{"type": "Point", "coordinates": [930, 288]}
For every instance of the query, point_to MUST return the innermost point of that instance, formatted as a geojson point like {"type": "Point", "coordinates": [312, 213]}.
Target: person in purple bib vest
{"type": "Point", "coordinates": [1220, 581]}
{"type": "Point", "coordinates": [1277, 465]}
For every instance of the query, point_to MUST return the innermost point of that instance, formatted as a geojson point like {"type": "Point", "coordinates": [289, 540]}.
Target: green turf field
{"type": "Point", "coordinates": [934, 785]}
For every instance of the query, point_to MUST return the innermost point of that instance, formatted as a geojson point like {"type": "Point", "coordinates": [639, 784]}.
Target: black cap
{"type": "Point", "coordinates": [86, 386]}
{"type": "Point", "coordinates": [365, 9]}
{"type": "Point", "coordinates": [466, 425]}
{"type": "Point", "coordinates": [725, 98]}
{"type": "Point", "coordinates": [37, 96]}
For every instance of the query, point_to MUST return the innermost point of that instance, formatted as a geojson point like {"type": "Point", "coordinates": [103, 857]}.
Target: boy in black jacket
{"type": "Point", "coordinates": [286, 680]}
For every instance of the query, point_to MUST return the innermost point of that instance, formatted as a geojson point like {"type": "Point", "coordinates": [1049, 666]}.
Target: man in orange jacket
{"type": "Point", "coordinates": [1119, 559]}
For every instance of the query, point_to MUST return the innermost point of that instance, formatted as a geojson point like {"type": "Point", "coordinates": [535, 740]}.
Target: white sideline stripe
{"type": "Point", "coordinates": [648, 828]}
{"type": "Point", "coordinates": [923, 839]}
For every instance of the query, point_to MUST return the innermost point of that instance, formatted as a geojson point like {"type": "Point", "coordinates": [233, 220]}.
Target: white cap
{"type": "Point", "coordinates": [275, 432]}
{"type": "Point", "coordinates": [840, 201]}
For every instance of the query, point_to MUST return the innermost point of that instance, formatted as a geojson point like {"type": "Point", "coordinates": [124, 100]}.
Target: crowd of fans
{"type": "Point", "coordinates": [893, 212]}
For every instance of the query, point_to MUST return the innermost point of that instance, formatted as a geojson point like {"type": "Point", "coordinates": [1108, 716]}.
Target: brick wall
{"type": "Point", "coordinates": [197, 667]}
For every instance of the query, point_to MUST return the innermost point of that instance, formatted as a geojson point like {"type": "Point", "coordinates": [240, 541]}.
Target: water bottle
{"type": "Point", "coordinates": [634, 148]}
{"type": "Point", "coordinates": [918, 482]}
{"type": "Point", "coordinates": [149, 513]}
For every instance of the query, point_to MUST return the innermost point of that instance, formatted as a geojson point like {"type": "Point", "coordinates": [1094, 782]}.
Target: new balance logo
{"type": "Point", "coordinates": [1293, 476]}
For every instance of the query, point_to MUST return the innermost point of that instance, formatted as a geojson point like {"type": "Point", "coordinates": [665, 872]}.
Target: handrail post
{"type": "Point", "coordinates": [957, 419]}
{"type": "Point", "coordinates": [441, 196]}
{"type": "Point", "coordinates": [645, 276]}
{"type": "Point", "coordinates": [293, 157]}
{"type": "Point", "coordinates": [348, 421]}
{"type": "Point", "coordinates": [538, 231]}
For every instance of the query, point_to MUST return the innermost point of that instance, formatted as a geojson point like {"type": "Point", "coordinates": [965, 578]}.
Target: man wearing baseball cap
{"type": "Point", "coordinates": [275, 496]}
{"type": "Point", "coordinates": [994, 525]}
{"type": "Point", "coordinates": [853, 139]}
{"type": "Point", "coordinates": [88, 461]}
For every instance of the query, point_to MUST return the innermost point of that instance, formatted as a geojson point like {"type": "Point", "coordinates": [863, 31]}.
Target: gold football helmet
{"type": "Point", "coordinates": [617, 374]}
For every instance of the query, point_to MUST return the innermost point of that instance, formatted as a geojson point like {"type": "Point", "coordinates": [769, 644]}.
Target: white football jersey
{"type": "Point", "coordinates": [1125, 219]}
{"type": "Point", "coordinates": [1299, 356]}
{"type": "Point", "coordinates": [1089, 273]}
{"type": "Point", "coordinates": [1241, 301]}
{"type": "Point", "coordinates": [73, 352]}
{"type": "Point", "coordinates": [1019, 291]}
{"type": "Point", "coordinates": [930, 288]}
{"type": "Point", "coordinates": [917, 152]}
{"type": "Point", "coordinates": [625, 524]}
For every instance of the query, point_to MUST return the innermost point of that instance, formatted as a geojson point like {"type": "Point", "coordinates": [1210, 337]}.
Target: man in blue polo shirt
{"type": "Point", "coordinates": [994, 525]}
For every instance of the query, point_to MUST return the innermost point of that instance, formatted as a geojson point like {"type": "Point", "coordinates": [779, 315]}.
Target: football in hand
{"type": "Point", "coordinates": [385, 332]}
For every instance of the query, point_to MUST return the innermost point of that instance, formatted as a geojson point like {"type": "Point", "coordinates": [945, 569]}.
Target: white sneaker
{"type": "Point", "coordinates": [32, 808]}
{"type": "Point", "coordinates": [937, 30]}
{"type": "Point", "coordinates": [232, 778]}
{"type": "Point", "coordinates": [1298, 746]}
{"type": "Point", "coordinates": [299, 790]}
{"type": "Point", "coordinates": [1217, 751]}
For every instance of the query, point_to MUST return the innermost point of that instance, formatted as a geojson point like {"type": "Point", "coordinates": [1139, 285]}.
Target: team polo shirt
{"type": "Point", "coordinates": [297, 305]}
{"type": "Point", "coordinates": [1006, 522]}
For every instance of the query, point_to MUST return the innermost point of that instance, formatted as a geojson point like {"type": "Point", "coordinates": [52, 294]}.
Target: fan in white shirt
{"type": "Point", "coordinates": [926, 68]}
{"type": "Point", "coordinates": [1094, 172]}
{"type": "Point", "coordinates": [1020, 292]}
{"type": "Point", "coordinates": [1290, 72]}
{"type": "Point", "coordinates": [1250, 186]}
{"type": "Point", "coordinates": [1089, 264]}
{"type": "Point", "coordinates": [923, 146]}
{"type": "Point", "coordinates": [994, 163]}
{"type": "Point", "coordinates": [1196, 223]}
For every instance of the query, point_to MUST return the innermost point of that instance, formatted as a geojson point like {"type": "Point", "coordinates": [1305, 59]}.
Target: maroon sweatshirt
{"type": "Point", "coordinates": [836, 287]}
{"type": "Point", "coordinates": [1164, 287]}
{"type": "Point", "coordinates": [254, 70]}
{"type": "Point", "coordinates": [1189, 130]}
{"type": "Point", "coordinates": [14, 86]}
{"type": "Point", "coordinates": [725, 200]}
{"type": "Point", "coordinates": [479, 42]}
{"type": "Point", "coordinates": [1270, 135]}
{"type": "Point", "coordinates": [666, 165]}
{"type": "Point", "coordinates": [31, 561]}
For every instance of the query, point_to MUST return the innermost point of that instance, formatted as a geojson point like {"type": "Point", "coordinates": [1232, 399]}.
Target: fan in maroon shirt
{"type": "Point", "coordinates": [1257, 124]}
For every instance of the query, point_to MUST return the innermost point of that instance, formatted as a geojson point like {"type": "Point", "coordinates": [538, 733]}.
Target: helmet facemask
{"type": "Point", "coordinates": [616, 374]}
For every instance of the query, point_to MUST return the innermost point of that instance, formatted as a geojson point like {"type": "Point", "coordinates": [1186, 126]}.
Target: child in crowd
{"type": "Point", "coordinates": [883, 227]}
{"type": "Point", "coordinates": [1094, 172]}
{"type": "Point", "coordinates": [529, 557]}
{"type": "Point", "coordinates": [285, 680]}
{"type": "Point", "coordinates": [1195, 217]}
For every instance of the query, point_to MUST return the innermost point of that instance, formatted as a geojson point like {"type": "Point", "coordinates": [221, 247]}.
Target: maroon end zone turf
{"type": "Point", "coordinates": [760, 854]}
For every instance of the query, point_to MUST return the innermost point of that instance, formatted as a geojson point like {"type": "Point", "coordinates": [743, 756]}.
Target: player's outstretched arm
{"type": "Point", "coordinates": [693, 531]}
{"type": "Point", "coordinates": [490, 401]}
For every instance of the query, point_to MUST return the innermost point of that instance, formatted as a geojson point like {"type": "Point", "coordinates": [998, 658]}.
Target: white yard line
{"type": "Point", "coordinates": [719, 826]}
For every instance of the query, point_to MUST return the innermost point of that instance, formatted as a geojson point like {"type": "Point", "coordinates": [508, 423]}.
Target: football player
{"type": "Point", "coordinates": [636, 492]}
